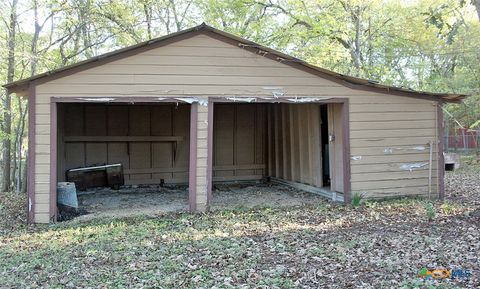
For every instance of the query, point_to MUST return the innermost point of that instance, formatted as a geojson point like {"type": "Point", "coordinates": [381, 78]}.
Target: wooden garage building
{"type": "Point", "coordinates": [202, 105]}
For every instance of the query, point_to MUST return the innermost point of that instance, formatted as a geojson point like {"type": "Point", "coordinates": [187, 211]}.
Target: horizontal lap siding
{"type": "Point", "coordinates": [116, 90]}
{"type": "Point", "coordinates": [389, 135]}
{"type": "Point", "coordinates": [204, 66]}
{"type": "Point", "coordinates": [42, 162]}
{"type": "Point", "coordinates": [202, 155]}
{"type": "Point", "coordinates": [203, 80]}
{"type": "Point", "coordinates": [196, 66]}
{"type": "Point", "coordinates": [218, 69]}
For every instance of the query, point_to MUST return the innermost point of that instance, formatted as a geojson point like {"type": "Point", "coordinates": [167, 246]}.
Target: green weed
{"type": "Point", "coordinates": [357, 199]}
{"type": "Point", "coordinates": [430, 211]}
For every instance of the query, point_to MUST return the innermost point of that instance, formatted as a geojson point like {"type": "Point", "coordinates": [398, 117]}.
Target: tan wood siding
{"type": "Point", "coordinates": [202, 156]}
{"type": "Point", "coordinates": [385, 143]}
{"type": "Point", "coordinates": [204, 66]}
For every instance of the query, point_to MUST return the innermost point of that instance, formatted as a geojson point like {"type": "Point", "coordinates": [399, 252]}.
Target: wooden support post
{"type": "Point", "coordinates": [60, 144]}
{"type": "Point", "coordinates": [331, 146]}
{"type": "Point", "coordinates": [53, 162]}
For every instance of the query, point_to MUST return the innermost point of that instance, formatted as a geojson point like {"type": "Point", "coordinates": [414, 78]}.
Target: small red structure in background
{"type": "Point", "coordinates": [462, 138]}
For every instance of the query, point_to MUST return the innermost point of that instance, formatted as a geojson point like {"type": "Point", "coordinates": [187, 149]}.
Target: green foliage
{"type": "Point", "coordinates": [429, 45]}
{"type": "Point", "coordinates": [426, 45]}
{"type": "Point", "coordinates": [448, 208]}
{"type": "Point", "coordinates": [430, 211]}
{"type": "Point", "coordinates": [417, 283]}
{"type": "Point", "coordinates": [475, 124]}
{"type": "Point", "coordinates": [357, 199]}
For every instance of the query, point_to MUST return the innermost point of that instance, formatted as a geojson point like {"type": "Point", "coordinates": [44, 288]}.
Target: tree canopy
{"type": "Point", "coordinates": [427, 45]}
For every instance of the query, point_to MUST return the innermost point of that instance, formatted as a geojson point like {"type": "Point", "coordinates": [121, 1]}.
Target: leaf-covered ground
{"type": "Point", "coordinates": [13, 211]}
{"type": "Point", "coordinates": [379, 245]}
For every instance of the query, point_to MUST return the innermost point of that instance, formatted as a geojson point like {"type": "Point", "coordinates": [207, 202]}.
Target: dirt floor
{"type": "Point", "coordinates": [260, 195]}
{"type": "Point", "coordinates": [154, 200]}
{"type": "Point", "coordinates": [133, 201]}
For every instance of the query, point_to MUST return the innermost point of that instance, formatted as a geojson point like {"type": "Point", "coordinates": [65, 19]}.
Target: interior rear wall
{"type": "Point", "coordinates": [150, 141]}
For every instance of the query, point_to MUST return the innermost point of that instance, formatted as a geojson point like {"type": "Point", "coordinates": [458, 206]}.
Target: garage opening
{"type": "Point", "coordinates": [270, 149]}
{"type": "Point", "coordinates": [125, 158]}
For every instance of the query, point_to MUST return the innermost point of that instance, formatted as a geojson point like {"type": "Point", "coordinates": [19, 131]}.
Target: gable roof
{"type": "Point", "coordinates": [348, 81]}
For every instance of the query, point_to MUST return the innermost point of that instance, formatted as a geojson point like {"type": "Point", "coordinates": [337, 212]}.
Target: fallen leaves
{"type": "Point", "coordinates": [322, 245]}
{"type": "Point", "coordinates": [12, 212]}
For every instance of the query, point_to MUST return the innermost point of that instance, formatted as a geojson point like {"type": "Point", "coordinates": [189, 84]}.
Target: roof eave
{"type": "Point", "coordinates": [452, 98]}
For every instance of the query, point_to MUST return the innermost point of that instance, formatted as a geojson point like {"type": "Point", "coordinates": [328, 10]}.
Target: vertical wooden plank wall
{"type": "Point", "coordinates": [118, 125]}
{"type": "Point", "coordinates": [240, 141]}
{"type": "Point", "coordinates": [145, 162]}
{"type": "Point", "coordinates": [294, 143]}
{"type": "Point", "coordinates": [252, 141]}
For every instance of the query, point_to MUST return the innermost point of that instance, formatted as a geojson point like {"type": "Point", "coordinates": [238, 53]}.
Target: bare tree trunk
{"type": "Point", "coordinates": [24, 176]}
{"type": "Point", "coordinates": [36, 34]}
{"type": "Point", "coordinates": [147, 9]}
{"type": "Point", "coordinates": [178, 23]}
{"type": "Point", "coordinates": [20, 137]}
{"type": "Point", "coordinates": [7, 117]}
{"type": "Point", "coordinates": [23, 112]}
{"type": "Point", "coordinates": [14, 161]}
{"type": "Point", "coordinates": [84, 15]}
{"type": "Point", "coordinates": [356, 50]}
{"type": "Point", "coordinates": [476, 3]}
{"type": "Point", "coordinates": [179, 18]}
